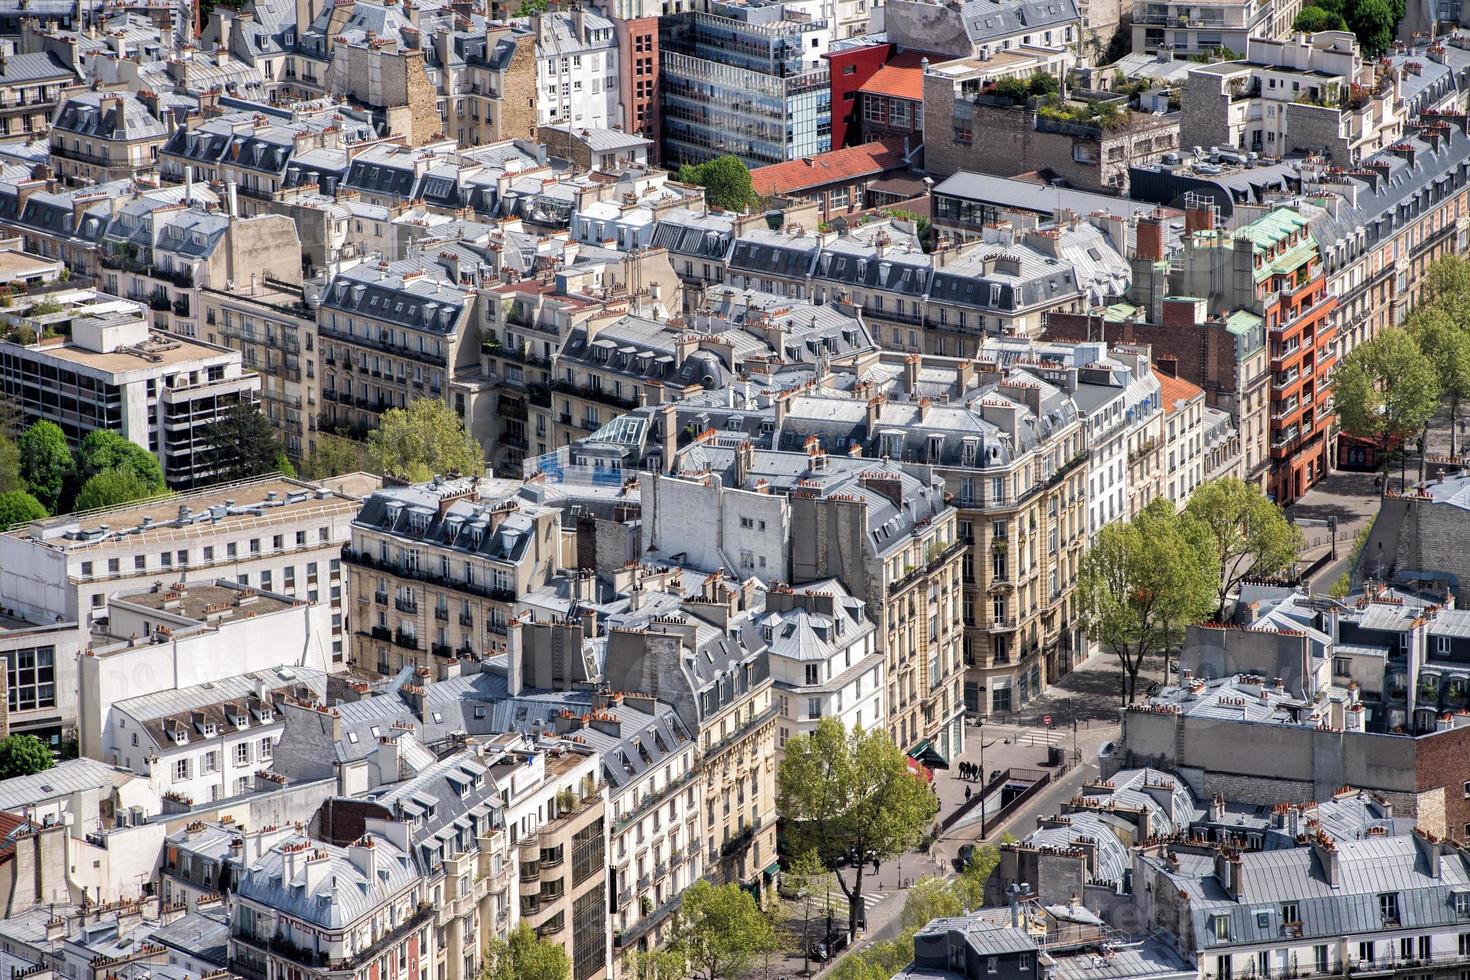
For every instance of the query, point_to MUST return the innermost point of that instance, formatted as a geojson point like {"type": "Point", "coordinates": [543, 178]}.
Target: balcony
{"type": "Point", "coordinates": [466, 619]}
{"type": "Point", "coordinates": [380, 633]}
{"type": "Point", "coordinates": [630, 935]}
{"type": "Point", "coordinates": [661, 872]}
{"type": "Point", "coordinates": [406, 640]}
{"type": "Point", "coordinates": [364, 560]}
{"type": "Point", "coordinates": [530, 870]}
{"type": "Point", "coordinates": [377, 344]}
{"type": "Point", "coordinates": [403, 605]}
{"type": "Point", "coordinates": [598, 395]}
{"type": "Point", "coordinates": [738, 844]}
{"type": "Point", "coordinates": [442, 650]}
{"type": "Point", "coordinates": [441, 614]}
{"type": "Point", "coordinates": [624, 897]}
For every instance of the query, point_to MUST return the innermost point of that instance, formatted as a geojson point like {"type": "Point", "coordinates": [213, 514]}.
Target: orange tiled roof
{"type": "Point", "coordinates": [896, 82]}
{"type": "Point", "coordinates": [1176, 390]}
{"type": "Point", "coordinates": [867, 160]}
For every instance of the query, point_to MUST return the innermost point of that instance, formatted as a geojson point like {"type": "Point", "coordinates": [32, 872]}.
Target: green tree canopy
{"type": "Point", "coordinates": [104, 449]}
{"type": "Point", "coordinates": [46, 463]}
{"type": "Point", "coordinates": [1312, 19]}
{"type": "Point", "coordinates": [720, 930]}
{"type": "Point", "coordinates": [726, 182]}
{"type": "Point", "coordinates": [1386, 390]}
{"type": "Point", "coordinates": [10, 478]}
{"type": "Point", "coordinates": [1374, 22]}
{"type": "Point", "coordinates": [1243, 533]}
{"type": "Point", "coordinates": [1142, 582]}
{"type": "Point", "coordinates": [523, 955]}
{"type": "Point", "coordinates": [18, 507]}
{"type": "Point", "coordinates": [245, 445]}
{"type": "Point", "coordinates": [23, 755]}
{"type": "Point", "coordinates": [841, 790]}
{"type": "Point", "coordinates": [422, 441]}
{"type": "Point", "coordinates": [1446, 342]}
{"type": "Point", "coordinates": [119, 485]}
{"type": "Point", "coordinates": [334, 456]}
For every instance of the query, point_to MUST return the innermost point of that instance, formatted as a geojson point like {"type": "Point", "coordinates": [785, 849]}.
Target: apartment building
{"type": "Point", "coordinates": [287, 915]}
{"type": "Point", "coordinates": [99, 136]}
{"type": "Point", "coordinates": [959, 32]}
{"type": "Point", "coordinates": [907, 571]}
{"type": "Point", "coordinates": [454, 825]}
{"type": "Point", "coordinates": [108, 370]}
{"type": "Point", "coordinates": [31, 87]}
{"type": "Point", "coordinates": [745, 79]}
{"type": "Point", "coordinates": [577, 72]}
{"type": "Point", "coordinates": [1186, 445]}
{"type": "Point", "coordinates": [968, 126]}
{"type": "Point", "coordinates": [275, 534]}
{"type": "Point", "coordinates": [1118, 403]}
{"type": "Point", "coordinates": [273, 326]}
{"type": "Point", "coordinates": [205, 742]}
{"type": "Point", "coordinates": [391, 333]}
{"type": "Point", "coordinates": [1222, 350]}
{"type": "Point", "coordinates": [825, 659]}
{"type": "Point", "coordinates": [719, 684]}
{"type": "Point", "coordinates": [435, 570]}
{"type": "Point", "coordinates": [1276, 273]}
{"type": "Point", "coordinates": [1309, 93]}
{"type": "Point", "coordinates": [1196, 27]}
{"type": "Point", "coordinates": [263, 156]}
{"type": "Point", "coordinates": [491, 104]}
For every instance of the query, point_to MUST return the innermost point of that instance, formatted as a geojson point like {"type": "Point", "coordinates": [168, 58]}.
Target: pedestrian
{"type": "Point", "coordinates": [967, 794]}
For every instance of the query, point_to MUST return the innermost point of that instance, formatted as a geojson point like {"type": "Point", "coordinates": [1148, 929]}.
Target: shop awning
{"type": "Point", "coordinates": [773, 870]}
{"type": "Point", "coordinates": [930, 756]}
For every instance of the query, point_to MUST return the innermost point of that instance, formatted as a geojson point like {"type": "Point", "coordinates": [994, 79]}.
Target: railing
{"type": "Point", "coordinates": [377, 344]}
{"type": "Point", "coordinates": [406, 605]}
{"type": "Point", "coordinates": [630, 935]}
{"type": "Point", "coordinates": [363, 560]}
{"type": "Point", "coordinates": [406, 640]}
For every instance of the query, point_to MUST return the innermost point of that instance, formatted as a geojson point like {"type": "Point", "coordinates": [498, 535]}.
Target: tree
{"type": "Point", "coordinates": [1386, 390]}
{"type": "Point", "coordinates": [930, 898]}
{"type": "Point", "coordinates": [720, 929]}
{"type": "Point", "coordinates": [1141, 582]}
{"type": "Point", "coordinates": [806, 879]}
{"type": "Point", "coordinates": [1243, 533]}
{"type": "Point", "coordinates": [1447, 345]}
{"type": "Point", "coordinates": [112, 487]}
{"type": "Point", "coordinates": [23, 755]}
{"type": "Point", "coordinates": [969, 885]}
{"type": "Point", "coordinates": [245, 445]}
{"type": "Point", "coordinates": [422, 441]}
{"type": "Point", "coordinates": [18, 507]}
{"type": "Point", "coordinates": [657, 964]}
{"type": "Point", "coordinates": [1447, 285]}
{"type": "Point", "coordinates": [10, 478]}
{"type": "Point", "coordinates": [104, 449]}
{"type": "Point", "coordinates": [45, 463]}
{"type": "Point", "coordinates": [1373, 21]}
{"type": "Point", "coordinates": [1313, 19]}
{"type": "Point", "coordinates": [334, 456]}
{"type": "Point", "coordinates": [843, 791]}
{"type": "Point", "coordinates": [525, 956]}
{"type": "Point", "coordinates": [726, 182]}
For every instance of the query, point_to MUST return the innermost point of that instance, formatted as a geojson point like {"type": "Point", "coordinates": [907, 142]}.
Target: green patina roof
{"type": "Point", "coordinates": [1242, 322]}
{"type": "Point", "coordinates": [1268, 231]}
{"type": "Point", "coordinates": [1119, 312]}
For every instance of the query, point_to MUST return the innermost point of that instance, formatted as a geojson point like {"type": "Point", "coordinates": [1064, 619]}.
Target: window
{"type": "Point", "coordinates": [1289, 912]}
{"type": "Point", "coordinates": [1221, 926]}
{"type": "Point", "coordinates": [1388, 906]}
{"type": "Point", "coordinates": [181, 769]}
{"type": "Point", "coordinates": [1341, 666]}
{"type": "Point", "coordinates": [242, 754]}
{"type": "Point", "coordinates": [32, 678]}
{"type": "Point", "coordinates": [813, 676]}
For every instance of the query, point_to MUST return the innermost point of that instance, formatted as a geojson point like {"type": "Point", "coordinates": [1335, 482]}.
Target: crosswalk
{"type": "Point", "coordinates": [871, 898]}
